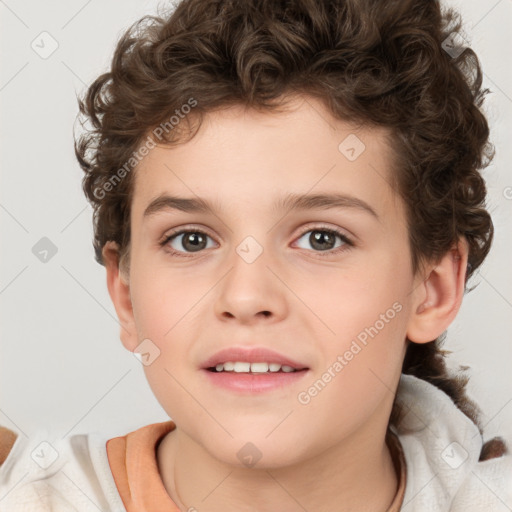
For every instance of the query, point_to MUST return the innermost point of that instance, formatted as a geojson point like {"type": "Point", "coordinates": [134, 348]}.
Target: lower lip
{"type": "Point", "coordinates": [254, 382]}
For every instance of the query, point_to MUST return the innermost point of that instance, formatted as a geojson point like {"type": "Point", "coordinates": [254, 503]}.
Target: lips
{"type": "Point", "coordinates": [251, 355]}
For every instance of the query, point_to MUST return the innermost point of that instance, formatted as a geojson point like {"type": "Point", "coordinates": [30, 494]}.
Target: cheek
{"type": "Point", "coordinates": [366, 311]}
{"type": "Point", "coordinates": [167, 311]}
{"type": "Point", "coordinates": [357, 381]}
{"type": "Point", "coordinates": [357, 301]}
{"type": "Point", "coordinates": [165, 301]}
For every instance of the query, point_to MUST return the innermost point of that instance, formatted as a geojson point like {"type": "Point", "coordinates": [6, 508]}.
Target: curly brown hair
{"type": "Point", "coordinates": [376, 62]}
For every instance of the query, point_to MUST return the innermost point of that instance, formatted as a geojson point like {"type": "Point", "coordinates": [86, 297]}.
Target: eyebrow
{"type": "Point", "coordinates": [288, 202]}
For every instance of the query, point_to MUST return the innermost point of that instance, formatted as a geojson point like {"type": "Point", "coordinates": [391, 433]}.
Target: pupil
{"type": "Point", "coordinates": [319, 236]}
{"type": "Point", "coordinates": [195, 240]}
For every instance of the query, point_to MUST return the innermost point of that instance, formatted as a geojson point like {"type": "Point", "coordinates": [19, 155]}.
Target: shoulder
{"type": "Point", "coordinates": [488, 486]}
{"type": "Point", "coordinates": [448, 465]}
{"type": "Point", "coordinates": [44, 472]}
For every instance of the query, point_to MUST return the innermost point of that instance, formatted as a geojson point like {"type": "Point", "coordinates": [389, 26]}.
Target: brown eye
{"type": "Point", "coordinates": [324, 239]}
{"type": "Point", "coordinates": [187, 241]}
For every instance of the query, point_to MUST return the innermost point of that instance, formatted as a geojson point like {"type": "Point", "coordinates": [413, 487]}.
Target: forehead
{"type": "Point", "coordinates": [242, 155]}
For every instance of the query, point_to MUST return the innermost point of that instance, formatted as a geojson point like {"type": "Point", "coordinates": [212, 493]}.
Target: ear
{"type": "Point", "coordinates": [119, 290]}
{"type": "Point", "coordinates": [437, 299]}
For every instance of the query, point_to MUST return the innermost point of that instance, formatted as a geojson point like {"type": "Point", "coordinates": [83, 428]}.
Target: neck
{"type": "Point", "coordinates": [356, 474]}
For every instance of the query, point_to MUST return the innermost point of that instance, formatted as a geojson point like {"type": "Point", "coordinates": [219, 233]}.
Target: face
{"type": "Point", "coordinates": [326, 285]}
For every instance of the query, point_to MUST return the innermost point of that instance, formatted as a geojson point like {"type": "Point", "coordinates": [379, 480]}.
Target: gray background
{"type": "Point", "coordinates": [62, 365]}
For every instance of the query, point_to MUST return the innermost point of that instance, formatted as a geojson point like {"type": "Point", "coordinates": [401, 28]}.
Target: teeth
{"type": "Point", "coordinates": [274, 367]}
{"type": "Point", "coordinates": [244, 367]}
{"type": "Point", "coordinates": [259, 367]}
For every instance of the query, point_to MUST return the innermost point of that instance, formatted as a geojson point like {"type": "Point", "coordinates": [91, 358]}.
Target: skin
{"type": "Point", "coordinates": [329, 454]}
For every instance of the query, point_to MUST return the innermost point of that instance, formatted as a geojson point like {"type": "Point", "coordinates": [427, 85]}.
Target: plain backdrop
{"type": "Point", "coordinates": [62, 364]}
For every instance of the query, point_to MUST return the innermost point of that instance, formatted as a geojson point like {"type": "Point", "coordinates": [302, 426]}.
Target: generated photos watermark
{"type": "Point", "coordinates": [357, 345]}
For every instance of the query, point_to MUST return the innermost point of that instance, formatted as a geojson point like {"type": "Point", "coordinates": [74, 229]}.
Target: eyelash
{"type": "Point", "coordinates": [347, 243]}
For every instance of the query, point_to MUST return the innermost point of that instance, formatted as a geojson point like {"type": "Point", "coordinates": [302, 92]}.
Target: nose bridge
{"type": "Point", "coordinates": [250, 288]}
{"type": "Point", "coordinates": [250, 249]}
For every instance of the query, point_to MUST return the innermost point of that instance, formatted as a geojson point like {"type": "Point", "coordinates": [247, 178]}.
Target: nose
{"type": "Point", "coordinates": [251, 292]}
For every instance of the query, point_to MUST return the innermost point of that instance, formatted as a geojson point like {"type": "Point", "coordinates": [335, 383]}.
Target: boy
{"type": "Point", "coordinates": [231, 141]}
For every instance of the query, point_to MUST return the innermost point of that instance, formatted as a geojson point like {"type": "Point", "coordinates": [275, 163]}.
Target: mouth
{"type": "Point", "coordinates": [256, 368]}
{"type": "Point", "coordinates": [240, 359]}
{"type": "Point", "coordinates": [252, 370]}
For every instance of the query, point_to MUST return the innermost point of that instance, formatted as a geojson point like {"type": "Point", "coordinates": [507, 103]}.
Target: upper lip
{"type": "Point", "coordinates": [251, 355]}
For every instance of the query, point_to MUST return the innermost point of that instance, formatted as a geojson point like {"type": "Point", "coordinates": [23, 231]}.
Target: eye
{"type": "Point", "coordinates": [324, 239]}
{"type": "Point", "coordinates": [186, 241]}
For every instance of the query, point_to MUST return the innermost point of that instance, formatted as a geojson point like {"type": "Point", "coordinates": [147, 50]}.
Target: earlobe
{"type": "Point", "coordinates": [438, 297]}
{"type": "Point", "coordinates": [119, 291]}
